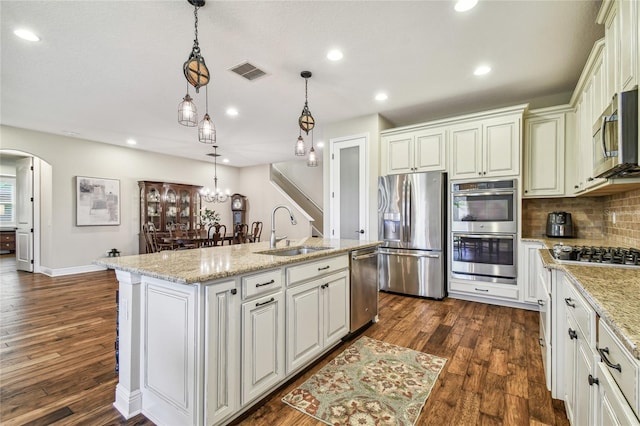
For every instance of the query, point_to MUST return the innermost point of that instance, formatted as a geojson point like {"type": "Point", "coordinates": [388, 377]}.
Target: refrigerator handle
{"type": "Point", "coordinates": [407, 204]}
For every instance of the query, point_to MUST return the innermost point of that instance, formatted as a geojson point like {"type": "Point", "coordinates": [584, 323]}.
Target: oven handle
{"type": "Point", "coordinates": [483, 194]}
{"type": "Point", "coordinates": [497, 237]}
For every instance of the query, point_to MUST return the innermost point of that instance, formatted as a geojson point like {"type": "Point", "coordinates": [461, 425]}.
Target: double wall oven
{"type": "Point", "coordinates": [484, 231]}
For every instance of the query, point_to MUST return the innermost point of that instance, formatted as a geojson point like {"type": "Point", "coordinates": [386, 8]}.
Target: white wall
{"type": "Point", "coordinates": [72, 246]}
{"type": "Point", "coordinates": [308, 179]}
{"type": "Point", "coordinates": [262, 197]}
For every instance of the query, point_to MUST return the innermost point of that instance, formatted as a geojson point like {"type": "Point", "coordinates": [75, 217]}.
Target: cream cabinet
{"type": "Point", "coordinates": [486, 148]}
{"type": "Point", "coordinates": [317, 317]}
{"type": "Point", "coordinates": [418, 150]}
{"type": "Point", "coordinates": [544, 152]}
{"type": "Point", "coordinates": [262, 345]}
{"type": "Point", "coordinates": [620, 20]}
{"type": "Point", "coordinates": [222, 346]}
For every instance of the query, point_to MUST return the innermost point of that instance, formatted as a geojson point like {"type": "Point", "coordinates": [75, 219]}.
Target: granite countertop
{"type": "Point", "coordinates": [211, 263]}
{"type": "Point", "coordinates": [613, 292]}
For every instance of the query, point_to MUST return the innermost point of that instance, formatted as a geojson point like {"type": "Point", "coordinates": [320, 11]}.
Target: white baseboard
{"type": "Point", "coordinates": [129, 404]}
{"type": "Point", "coordinates": [58, 272]}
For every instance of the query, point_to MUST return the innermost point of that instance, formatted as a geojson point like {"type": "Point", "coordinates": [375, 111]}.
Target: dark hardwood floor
{"type": "Point", "coordinates": [57, 357]}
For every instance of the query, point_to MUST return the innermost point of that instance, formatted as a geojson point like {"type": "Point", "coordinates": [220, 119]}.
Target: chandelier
{"type": "Point", "coordinates": [215, 196]}
{"type": "Point", "coordinates": [197, 75]}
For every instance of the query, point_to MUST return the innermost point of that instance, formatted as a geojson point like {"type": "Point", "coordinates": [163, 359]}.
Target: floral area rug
{"type": "Point", "coordinates": [370, 383]}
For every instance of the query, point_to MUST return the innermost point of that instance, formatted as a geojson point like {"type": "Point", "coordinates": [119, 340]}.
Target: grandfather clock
{"type": "Point", "coordinates": [239, 208]}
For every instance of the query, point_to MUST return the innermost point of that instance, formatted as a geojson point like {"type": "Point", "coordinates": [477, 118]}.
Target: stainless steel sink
{"type": "Point", "coordinates": [293, 251]}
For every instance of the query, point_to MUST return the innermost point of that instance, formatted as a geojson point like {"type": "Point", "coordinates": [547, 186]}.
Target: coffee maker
{"type": "Point", "coordinates": [559, 224]}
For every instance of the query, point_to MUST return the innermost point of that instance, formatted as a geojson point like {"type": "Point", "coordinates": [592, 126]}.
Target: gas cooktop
{"type": "Point", "coordinates": [602, 256]}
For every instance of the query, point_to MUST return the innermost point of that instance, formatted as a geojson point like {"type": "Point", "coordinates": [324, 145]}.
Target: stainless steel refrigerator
{"type": "Point", "coordinates": [412, 225]}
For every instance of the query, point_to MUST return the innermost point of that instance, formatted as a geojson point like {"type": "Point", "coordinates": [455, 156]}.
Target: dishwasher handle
{"type": "Point", "coordinates": [364, 256]}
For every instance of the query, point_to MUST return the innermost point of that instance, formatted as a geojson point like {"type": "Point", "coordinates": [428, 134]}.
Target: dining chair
{"type": "Point", "coordinates": [256, 232]}
{"type": "Point", "coordinates": [179, 231]}
{"type": "Point", "coordinates": [154, 242]}
{"type": "Point", "coordinates": [241, 231]}
{"type": "Point", "coordinates": [217, 233]}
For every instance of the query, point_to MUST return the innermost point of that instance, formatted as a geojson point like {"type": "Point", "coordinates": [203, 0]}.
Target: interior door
{"type": "Point", "coordinates": [24, 214]}
{"type": "Point", "coordinates": [348, 188]}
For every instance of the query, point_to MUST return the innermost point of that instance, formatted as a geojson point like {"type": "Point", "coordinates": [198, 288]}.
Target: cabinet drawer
{"type": "Point", "coordinates": [625, 370]}
{"type": "Point", "coordinates": [315, 269]}
{"type": "Point", "coordinates": [264, 282]}
{"type": "Point", "coordinates": [581, 311]}
{"type": "Point", "coordinates": [8, 245]}
{"type": "Point", "coordinates": [8, 238]}
{"type": "Point", "coordinates": [504, 291]}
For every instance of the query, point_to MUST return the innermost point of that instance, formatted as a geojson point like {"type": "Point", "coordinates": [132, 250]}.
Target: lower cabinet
{"type": "Point", "coordinates": [222, 346]}
{"type": "Point", "coordinates": [262, 345]}
{"type": "Point", "coordinates": [317, 317]}
{"type": "Point", "coordinates": [613, 408]}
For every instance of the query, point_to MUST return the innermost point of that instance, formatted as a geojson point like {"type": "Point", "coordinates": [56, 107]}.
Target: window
{"type": "Point", "coordinates": [7, 200]}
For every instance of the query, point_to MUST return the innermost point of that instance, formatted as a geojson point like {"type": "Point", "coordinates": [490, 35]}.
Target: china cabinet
{"type": "Point", "coordinates": [166, 204]}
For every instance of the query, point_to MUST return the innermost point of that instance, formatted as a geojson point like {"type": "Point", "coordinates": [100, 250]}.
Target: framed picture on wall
{"type": "Point", "coordinates": [97, 201]}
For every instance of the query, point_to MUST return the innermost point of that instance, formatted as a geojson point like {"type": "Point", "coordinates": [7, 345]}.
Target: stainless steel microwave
{"type": "Point", "coordinates": [615, 138]}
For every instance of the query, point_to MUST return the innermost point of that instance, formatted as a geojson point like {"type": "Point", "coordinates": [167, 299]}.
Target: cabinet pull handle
{"type": "Point", "coordinates": [324, 268]}
{"type": "Point", "coordinates": [541, 341]}
{"type": "Point", "coordinates": [604, 358]}
{"type": "Point", "coordinates": [482, 289]}
{"type": "Point", "coordinates": [233, 291]}
{"type": "Point", "coordinates": [593, 380]}
{"type": "Point", "coordinates": [267, 283]}
{"type": "Point", "coordinates": [568, 301]}
{"type": "Point", "coordinates": [540, 302]}
{"type": "Point", "coordinates": [324, 286]}
{"type": "Point", "coordinates": [573, 334]}
{"type": "Point", "coordinates": [266, 303]}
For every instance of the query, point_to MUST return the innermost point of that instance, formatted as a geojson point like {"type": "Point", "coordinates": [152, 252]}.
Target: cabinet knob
{"type": "Point", "coordinates": [540, 302]}
{"type": "Point", "coordinates": [575, 187]}
{"type": "Point", "coordinates": [590, 179]}
{"type": "Point", "coordinates": [593, 380]}
{"type": "Point", "coordinates": [541, 341]}
{"type": "Point", "coordinates": [526, 191]}
{"type": "Point", "coordinates": [484, 173]}
{"type": "Point", "coordinates": [479, 173]}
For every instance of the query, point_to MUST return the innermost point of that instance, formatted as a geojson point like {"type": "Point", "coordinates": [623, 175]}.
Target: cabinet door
{"type": "Point", "coordinates": [466, 152]}
{"type": "Point", "coordinates": [544, 156]}
{"type": "Point", "coordinates": [170, 208]}
{"type": "Point", "coordinates": [336, 307]}
{"type": "Point", "coordinates": [583, 393]}
{"type": "Point", "coordinates": [628, 21]}
{"type": "Point", "coordinates": [262, 345]}
{"type": "Point", "coordinates": [184, 208]}
{"type": "Point", "coordinates": [304, 323]}
{"type": "Point", "coordinates": [430, 150]}
{"type": "Point", "coordinates": [570, 355]}
{"type": "Point", "coordinates": [611, 53]}
{"type": "Point", "coordinates": [222, 346]}
{"type": "Point", "coordinates": [398, 154]}
{"type": "Point", "coordinates": [612, 407]}
{"type": "Point", "coordinates": [501, 147]}
{"type": "Point", "coordinates": [529, 272]}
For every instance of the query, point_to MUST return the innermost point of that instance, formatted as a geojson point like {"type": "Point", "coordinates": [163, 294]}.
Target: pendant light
{"type": "Point", "coordinates": [313, 160]}
{"type": "Point", "coordinates": [187, 111]}
{"type": "Point", "coordinates": [306, 121]}
{"type": "Point", "coordinates": [206, 129]}
{"type": "Point", "coordinates": [300, 150]}
{"type": "Point", "coordinates": [195, 70]}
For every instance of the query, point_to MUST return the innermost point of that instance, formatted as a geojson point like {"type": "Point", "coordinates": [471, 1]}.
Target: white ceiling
{"type": "Point", "coordinates": [112, 70]}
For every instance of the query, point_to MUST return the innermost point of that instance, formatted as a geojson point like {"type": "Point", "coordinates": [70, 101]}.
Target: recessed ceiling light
{"type": "Point", "coordinates": [70, 133]}
{"type": "Point", "coordinates": [464, 5]}
{"type": "Point", "coordinates": [482, 70]}
{"type": "Point", "coordinates": [26, 35]}
{"type": "Point", "coordinates": [225, 160]}
{"type": "Point", "coordinates": [381, 97]}
{"type": "Point", "coordinates": [232, 112]}
{"type": "Point", "coordinates": [320, 144]}
{"type": "Point", "coordinates": [132, 142]}
{"type": "Point", "coordinates": [334, 55]}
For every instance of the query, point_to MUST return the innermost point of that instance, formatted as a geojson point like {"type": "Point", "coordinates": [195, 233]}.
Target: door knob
{"type": "Point", "coordinates": [360, 231]}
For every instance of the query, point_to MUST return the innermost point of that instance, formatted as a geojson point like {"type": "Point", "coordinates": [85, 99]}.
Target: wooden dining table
{"type": "Point", "coordinates": [196, 240]}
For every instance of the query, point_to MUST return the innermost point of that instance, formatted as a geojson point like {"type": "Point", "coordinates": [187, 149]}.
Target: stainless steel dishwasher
{"type": "Point", "coordinates": [364, 287]}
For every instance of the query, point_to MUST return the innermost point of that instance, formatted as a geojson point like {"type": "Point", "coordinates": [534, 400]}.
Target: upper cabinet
{"type": "Point", "coordinates": [488, 147]}
{"type": "Point", "coordinates": [620, 20]}
{"type": "Point", "coordinates": [418, 150]}
{"type": "Point", "coordinates": [477, 145]}
{"type": "Point", "coordinates": [544, 152]}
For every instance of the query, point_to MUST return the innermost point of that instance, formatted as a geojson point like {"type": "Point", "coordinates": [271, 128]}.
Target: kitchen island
{"type": "Point", "coordinates": [202, 332]}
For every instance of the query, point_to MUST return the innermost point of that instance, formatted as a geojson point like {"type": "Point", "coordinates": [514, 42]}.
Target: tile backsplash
{"type": "Point", "coordinates": [593, 217]}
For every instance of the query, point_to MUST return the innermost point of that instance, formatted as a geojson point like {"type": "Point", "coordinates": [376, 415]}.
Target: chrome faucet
{"type": "Point", "coordinates": [273, 240]}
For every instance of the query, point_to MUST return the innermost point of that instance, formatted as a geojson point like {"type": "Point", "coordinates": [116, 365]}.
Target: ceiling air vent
{"type": "Point", "coordinates": [248, 71]}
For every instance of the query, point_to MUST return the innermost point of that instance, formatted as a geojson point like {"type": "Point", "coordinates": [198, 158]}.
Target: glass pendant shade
{"type": "Point", "coordinates": [312, 161]}
{"type": "Point", "coordinates": [207, 130]}
{"type": "Point", "coordinates": [187, 112]}
{"type": "Point", "coordinates": [301, 150]}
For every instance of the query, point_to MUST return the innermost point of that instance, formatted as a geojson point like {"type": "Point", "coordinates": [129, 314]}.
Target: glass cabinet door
{"type": "Point", "coordinates": [185, 208]}
{"type": "Point", "coordinates": [171, 208]}
{"type": "Point", "coordinates": [152, 207]}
